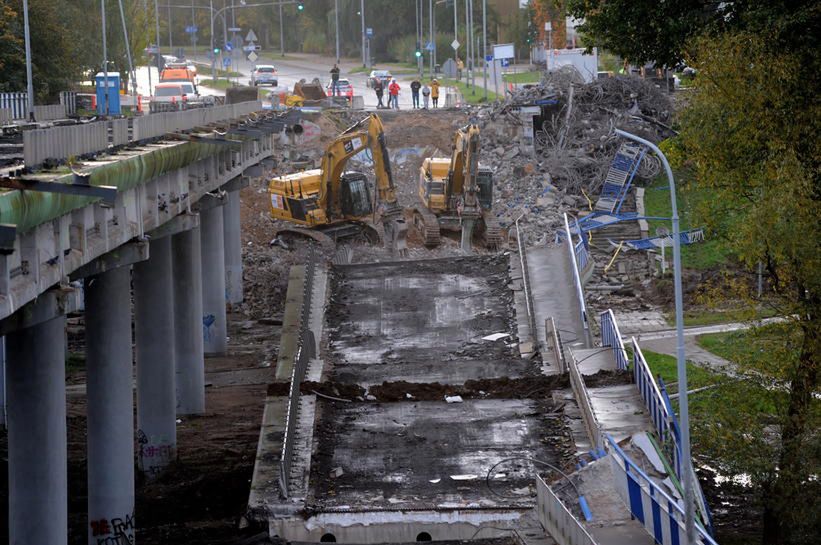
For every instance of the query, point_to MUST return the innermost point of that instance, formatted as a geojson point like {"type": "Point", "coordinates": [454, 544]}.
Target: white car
{"type": "Point", "coordinates": [264, 74]}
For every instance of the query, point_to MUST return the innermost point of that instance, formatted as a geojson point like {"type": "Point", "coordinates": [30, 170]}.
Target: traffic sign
{"type": "Point", "coordinates": [455, 44]}
{"type": "Point", "coordinates": [429, 46]}
{"type": "Point", "coordinates": [251, 36]}
{"type": "Point", "coordinates": [229, 46]}
{"type": "Point", "coordinates": [505, 63]}
{"type": "Point", "coordinates": [191, 29]}
{"type": "Point", "coordinates": [489, 58]}
{"type": "Point", "coordinates": [235, 29]}
{"type": "Point", "coordinates": [252, 47]}
{"type": "Point", "coordinates": [152, 49]}
{"type": "Point", "coordinates": [369, 32]}
{"type": "Point", "coordinates": [226, 61]}
{"type": "Point", "coordinates": [252, 56]}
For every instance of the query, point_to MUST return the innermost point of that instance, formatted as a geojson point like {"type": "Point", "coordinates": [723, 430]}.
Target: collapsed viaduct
{"type": "Point", "coordinates": [154, 220]}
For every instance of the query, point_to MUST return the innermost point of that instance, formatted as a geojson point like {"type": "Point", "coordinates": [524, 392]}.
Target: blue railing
{"type": "Point", "coordinates": [610, 336]}
{"type": "Point", "coordinates": [576, 275]}
{"type": "Point", "coordinates": [664, 420]}
{"type": "Point", "coordinates": [660, 514]}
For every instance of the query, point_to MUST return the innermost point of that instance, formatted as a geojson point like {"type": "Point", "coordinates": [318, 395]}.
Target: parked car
{"type": "Point", "coordinates": [169, 97]}
{"type": "Point", "coordinates": [345, 88]}
{"type": "Point", "coordinates": [264, 74]}
{"type": "Point", "coordinates": [182, 65]}
{"type": "Point", "coordinates": [383, 75]}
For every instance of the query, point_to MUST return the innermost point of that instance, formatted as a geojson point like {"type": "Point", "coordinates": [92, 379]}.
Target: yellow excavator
{"type": "Point", "coordinates": [457, 194]}
{"type": "Point", "coordinates": [332, 203]}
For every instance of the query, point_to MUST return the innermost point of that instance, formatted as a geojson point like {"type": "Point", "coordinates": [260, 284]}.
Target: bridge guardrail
{"type": "Point", "coordinates": [660, 514]}
{"type": "Point", "coordinates": [527, 286]}
{"type": "Point", "coordinates": [63, 142]}
{"type": "Point", "coordinates": [557, 519]}
{"type": "Point", "coordinates": [574, 257]}
{"type": "Point", "coordinates": [305, 353]}
{"type": "Point", "coordinates": [610, 336]}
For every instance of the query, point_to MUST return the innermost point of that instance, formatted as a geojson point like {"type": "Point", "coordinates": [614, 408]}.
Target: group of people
{"type": "Point", "coordinates": [428, 93]}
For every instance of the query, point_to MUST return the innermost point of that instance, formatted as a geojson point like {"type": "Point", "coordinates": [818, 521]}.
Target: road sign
{"type": "Point", "coordinates": [369, 32]}
{"type": "Point", "coordinates": [226, 61]}
{"type": "Point", "coordinates": [152, 49]}
{"type": "Point", "coordinates": [455, 44]}
{"type": "Point", "coordinates": [252, 47]}
{"type": "Point", "coordinates": [548, 27]}
{"type": "Point", "coordinates": [505, 62]}
{"type": "Point", "coordinates": [235, 29]}
{"type": "Point", "coordinates": [229, 46]}
{"type": "Point", "coordinates": [429, 46]}
{"type": "Point", "coordinates": [191, 29]}
{"type": "Point", "coordinates": [489, 58]}
{"type": "Point", "coordinates": [252, 56]}
{"type": "Point", "coordinates": [251, 36]}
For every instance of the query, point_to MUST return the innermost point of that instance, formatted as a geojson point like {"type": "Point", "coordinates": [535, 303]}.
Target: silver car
{"type": "Point", "coordinates": [264, 74]}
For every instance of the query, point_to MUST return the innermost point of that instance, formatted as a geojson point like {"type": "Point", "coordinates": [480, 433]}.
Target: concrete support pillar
{"type": "Point", "coordinates": [214, 326]}
{"type": "Point", "coordinates": [110, 407]}
{"type": "Point", "coordinates": [233, 248]}
{"type": "Point", "coordinates": [36, 375]}
{"type": "Point", "coordinates": [467, 235]}
{"type": "Point", "coordinates": [188, 330]}
{"type": "Point", "coordinates": [154, 327]}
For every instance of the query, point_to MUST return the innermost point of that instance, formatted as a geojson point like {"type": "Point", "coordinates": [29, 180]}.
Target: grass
{"type": "Point", "coordinates": [222, 84]}
{"type": "Point", "coordinates": [478, 98]}
{"type": "Point", "coordinates": [534, 76]}
{"type": "Point", "coordinates": [770, 349]}
{"type": "Point", "coordinates": [702, 317]}
{"type": "Point", "coordinates": [206, 71]}
{"type": "Point", "coordinates": [665, 366]}
{"type": "Point", "coordinates": [700, 256]}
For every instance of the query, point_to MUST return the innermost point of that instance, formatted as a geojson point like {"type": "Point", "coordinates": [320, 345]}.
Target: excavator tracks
{"type": "Point", "coordinates": [428, 226]}
{"type": "Point", "coordinates": [492, 232]}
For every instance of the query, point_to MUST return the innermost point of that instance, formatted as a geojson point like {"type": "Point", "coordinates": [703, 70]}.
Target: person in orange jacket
{"type": "Point", "coordinates": [434, 93]}
{"type": "Point", "coordinates": [393, 89]}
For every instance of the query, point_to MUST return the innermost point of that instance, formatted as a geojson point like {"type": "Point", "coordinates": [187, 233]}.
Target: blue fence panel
{"type": "Point", "coordinates": [610, 336]}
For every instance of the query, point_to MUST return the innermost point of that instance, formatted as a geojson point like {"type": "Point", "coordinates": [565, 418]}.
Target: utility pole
{"type": "Point", "coordinates": [455, 31]}
{"type": "Point", "coordinates": [29, 81]}
{"type": "Point", "coordinates": [432, 41]}
{"type": "Point", "coordinates": [281, 33]}
{"type": "Point", "coordinates": [213, 56]}
{"type": "Point", "coordinates": [132, 75]}
{"type": "Point", "coordinates": [105, 61]}
{"type": "Point", "coordinates": [157, 23]}
{"type": "Point", "coordinates": [170, 34]}
{"type": "Point", "coordinates": [468, 40]}
{"type": "Point", "coordinates": [362, 14]}
{"type": "Point", "coordinates": [484, 42]}
{"type": "Point", "coordinates": [193, 24]}
{"type": "Point", "coordinates": [336, 24]}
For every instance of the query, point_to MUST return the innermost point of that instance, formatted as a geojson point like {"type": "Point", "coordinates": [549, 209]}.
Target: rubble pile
{"type": "Point", "coordinates": [561, 167]}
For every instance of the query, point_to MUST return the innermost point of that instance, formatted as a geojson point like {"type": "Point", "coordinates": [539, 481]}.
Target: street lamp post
{"type": "Point", "coordinates": [336, 25]}
{"type": "Point", "coordinates": [105, 61]}
{"type": "Point", "coordinates": [484, 42]}
{"type": "Point", "coordinates": [362, 15]}
{"type": "Point", "coordinates": [29, 80]}
{"type": "Point", "coordinates": [684, 405]}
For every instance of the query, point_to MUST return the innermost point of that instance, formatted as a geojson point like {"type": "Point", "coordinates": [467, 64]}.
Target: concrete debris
{"type": "Point", "coordinates": [550, 145]}
{"type": "Point", "coordinates": [454, 399]}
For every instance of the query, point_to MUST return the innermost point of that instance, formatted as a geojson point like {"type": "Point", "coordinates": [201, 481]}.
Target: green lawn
{"type": "Point", "coordinates": [770, 350]}
{"type": "Point", "coordinates": [534, 76]}
{"type": "Point", "coordinates": [709, 316]}
{"type": "Point", "coordinates": [206, 71]}
{"type": "Point", "coordinates": [217, 84]}
{"type": "Point", "coordinates": [699, 256]}
{"type": "Point", "coordinates": [665, 365]}
{"type": "Point", "coordinates": [471, 98]}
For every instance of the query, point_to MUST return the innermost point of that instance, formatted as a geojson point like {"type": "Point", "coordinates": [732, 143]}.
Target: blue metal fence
{"type": "Point", "coordinates": [610, 336]}
{"type": "Point", "coordinates": [660, 514]}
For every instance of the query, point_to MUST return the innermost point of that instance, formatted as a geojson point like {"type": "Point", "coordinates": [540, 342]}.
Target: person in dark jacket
{"type": "Point", "coordinates": [335, 81]}
{"type": "Point", "coordinates": [380, 91]}
{"type": "Point", "coordinates": [415, 86]}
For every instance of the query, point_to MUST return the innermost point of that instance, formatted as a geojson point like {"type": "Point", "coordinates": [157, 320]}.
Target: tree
{"type": "Point", "coordinates": [643, 31]}
{"type": "Point", "coordinates": [751, 132]}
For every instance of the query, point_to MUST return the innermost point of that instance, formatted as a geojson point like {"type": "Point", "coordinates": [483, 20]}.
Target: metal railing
{"type": "Point", "coordinates": [557, 519]}
{"type": "Point", "coordinates": [660, 514]}
{"type": "Point", "coordinates": [577, 276]}
{"type": "Point", "coordinates": [610, 336]}
{"type": "Point", "coordinates": [306, 351]}
{"type": "Point", "coordinates": [591, 424]}
{"type": "Point", "coordinates": [554, 338]}
{"type": "Point", "coordinates": [531, 313]}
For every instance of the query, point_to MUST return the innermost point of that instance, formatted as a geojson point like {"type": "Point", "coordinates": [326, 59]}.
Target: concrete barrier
{"type": "Point", "coordinates": [557, 519]}
{"type": "Point", "coordinates": [119, 132]}
{"type": "Point", "coordinates": [50, 112]}
{"type": "Point", "coordinates": [5, 116]}
{"type": "Point", "coordinates": [358, 102]}
{"type": "Point", "coordinates": [60, 143]}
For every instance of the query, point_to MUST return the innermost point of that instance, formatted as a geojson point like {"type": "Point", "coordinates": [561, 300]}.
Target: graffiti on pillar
{"type": "Point", "coordinates": [116, 531]}
{"type": "Point", "coordinates": [207, 321]}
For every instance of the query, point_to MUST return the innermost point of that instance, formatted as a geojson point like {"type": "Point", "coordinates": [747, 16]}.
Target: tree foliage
{"type": "Point", "coordinates": [751, 133]}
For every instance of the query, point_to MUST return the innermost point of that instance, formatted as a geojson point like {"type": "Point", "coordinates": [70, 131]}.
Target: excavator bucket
{"type": "Point", "coordinates": [396, 233]}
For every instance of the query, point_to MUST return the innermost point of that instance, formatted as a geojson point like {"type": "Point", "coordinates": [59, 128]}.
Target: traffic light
{"type": "Point", "coordinates": [418, 51]}
{"type": "Point", "coordinates": [216, 50]}
{"type": "Point", "coordinates": [300, 6]}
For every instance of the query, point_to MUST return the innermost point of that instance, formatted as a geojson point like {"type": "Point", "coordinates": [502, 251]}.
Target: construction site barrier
{"type": "Point", "coordinates": [68, 99]}
{"type": "Point", "coordinates": [557, 519]}
{"type": "Point", "coordinates": [610, 336]}
{"type": "Point", "coordinates": [119, 132]}
{"type": "Point", "coordinates": [305, 353]}
{"type": "Point", "coordinates": [155, 125]}
{"type": "Point", "coordinates": [63, 142]}
{"type": "Point", "coordinates": [660, 514]}
{"type": "Point", "coordinates": [5, 116]}
{"type": "Point", "coordinates": [17, 103]}
{"type": "Point", "coordinates": [50, 112]}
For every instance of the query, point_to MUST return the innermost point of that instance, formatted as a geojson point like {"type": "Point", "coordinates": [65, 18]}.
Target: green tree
{"type": "Point", "coordinates": [751, 133]}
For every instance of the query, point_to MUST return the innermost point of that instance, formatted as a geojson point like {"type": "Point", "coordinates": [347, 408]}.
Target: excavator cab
{"type": "Point", "coordinates": [355, 195]}
{"type": "Point", "coordinates": [484, 180]}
